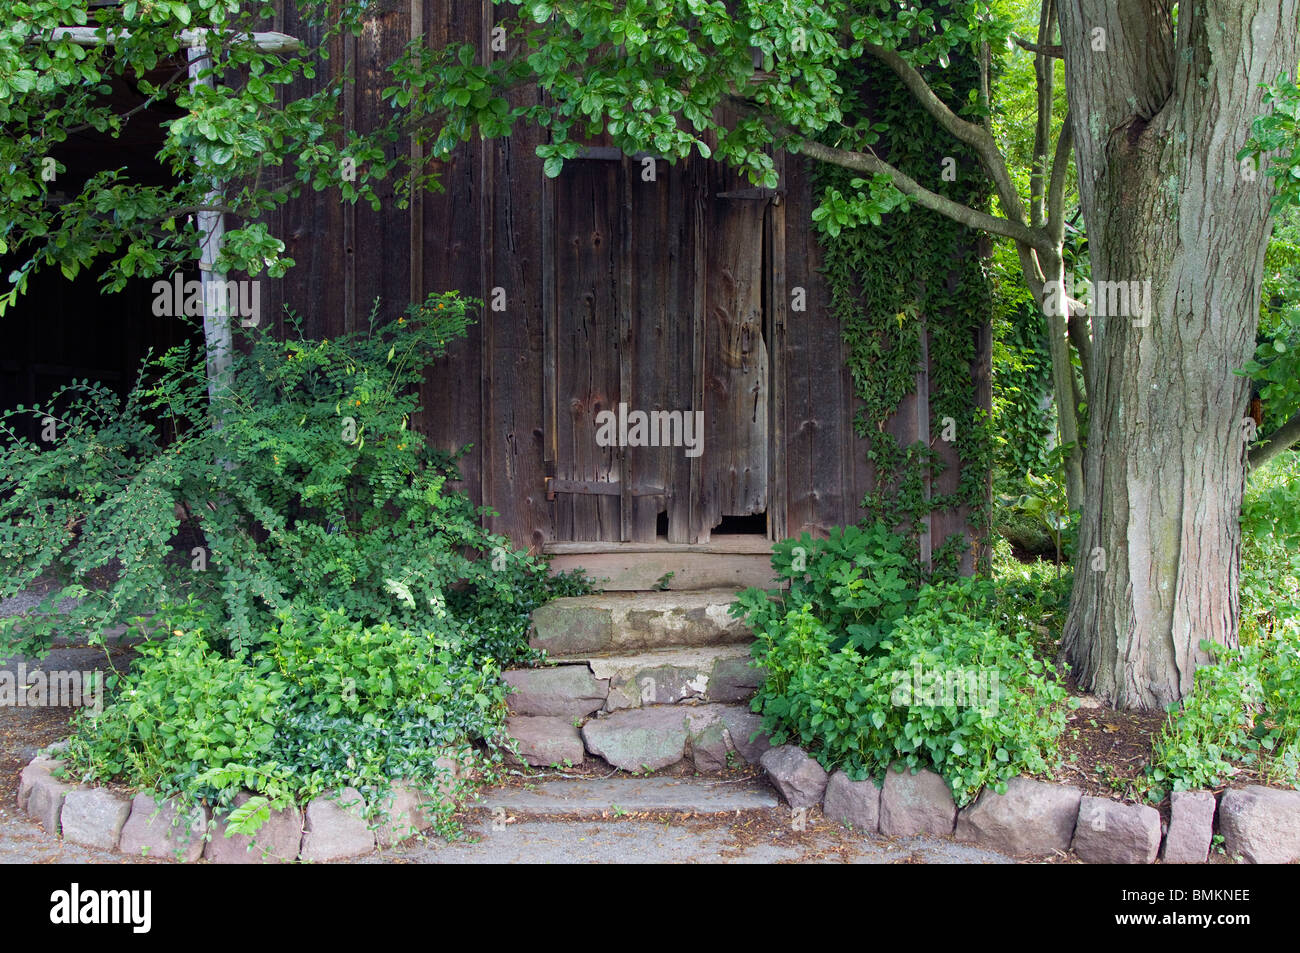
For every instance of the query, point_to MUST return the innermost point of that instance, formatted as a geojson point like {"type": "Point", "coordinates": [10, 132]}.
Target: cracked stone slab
{"type": "Point", "coordinates": [561, 691]}
{"type": "Point", "coordinates": [639, 739]}
{"type": "Point", "coordinates": [667, 676]}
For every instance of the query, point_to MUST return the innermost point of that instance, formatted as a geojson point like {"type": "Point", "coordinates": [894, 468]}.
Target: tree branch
{"type": "Point", "coordinates": [1056, 51]}
{"type": "Point", "coordinates": [1279, 440]}
{"type": "Point", "coordinates": [1056, 188]}
{"type": "Point", "coordinates": [976, 137]}
{"type": "Point", "coordinates": [871, 165]}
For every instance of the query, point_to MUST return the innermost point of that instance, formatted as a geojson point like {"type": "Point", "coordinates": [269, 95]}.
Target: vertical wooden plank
{"type": "Point", "coordinates": [700, 201]}
{"type": "Point", "coordinates": [415, 219]}
{"type": "Point", "coordinates": [736, 361]}
{"type": "Point", "coordinates": [816, 424]}
{"type": "Point", "coordinates": [661, 281]}
{"type": "Point", "coordinates": [776, 307]}
{"type": "Point", "coordinates": [349, 302]}
{"type": "Point", "coordinates": [587, 368]}
{"type": "Point", "coordinates": [381, 271]}
{"type": "Point", "coordinates": [624, 344]}
{"type": "Point", "coordinates": [513, 396]}
{"type": "Point", "coordinates": [452, 253]}
{"type": "Point", "coordinates": [313, 223]}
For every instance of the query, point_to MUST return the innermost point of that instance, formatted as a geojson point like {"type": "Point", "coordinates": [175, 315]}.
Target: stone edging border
{"type": "Point", "coordinates": [1259, 825]}
{"type": "Point", "coordinates": [328, 828]}
{"type": "Point", "coordinates": [1034, 819]}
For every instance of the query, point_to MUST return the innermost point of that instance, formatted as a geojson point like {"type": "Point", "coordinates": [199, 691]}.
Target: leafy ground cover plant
{"type": "Point", "coordinates": [858, 582]}
{"type": "Point", "coordinates": [947, 680]}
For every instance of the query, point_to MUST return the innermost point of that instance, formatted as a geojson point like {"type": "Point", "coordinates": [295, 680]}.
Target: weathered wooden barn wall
{"type": "Point", "coordinates": [660, 294]}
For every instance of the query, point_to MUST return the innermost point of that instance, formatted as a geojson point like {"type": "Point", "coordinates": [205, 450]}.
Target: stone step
{"type": "Point", "coordinates": [707, 738]}
{"type": "Point", "coordinates": [719, 673]}
{"type": "Point", "coordinates": [626, 622]}
{"type": "Point", "coordinates": [576, 686]}
{"type": "Point", "coordinates": [563, 796]}
{"type": "Point", "coordinates": [723, 562]}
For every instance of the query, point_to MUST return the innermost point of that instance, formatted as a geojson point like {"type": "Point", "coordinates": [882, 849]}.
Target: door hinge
{"type": "Point", "coordinates": [774, 195]}
{"type": "Point", "coordinates": [597, 488]}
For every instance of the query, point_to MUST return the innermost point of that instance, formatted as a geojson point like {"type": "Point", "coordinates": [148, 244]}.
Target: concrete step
{"type": "Point", "coordinates": [630, 795]}
{"type": "Point", "coordinates": [625, 622]}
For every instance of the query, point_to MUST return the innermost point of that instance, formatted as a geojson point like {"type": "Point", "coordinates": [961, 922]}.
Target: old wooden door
{"type": "Point", "coordinates": [658, 364]}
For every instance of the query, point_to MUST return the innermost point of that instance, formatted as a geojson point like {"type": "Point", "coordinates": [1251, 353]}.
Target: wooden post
{"type": "Point", "coordinates": [212, 226]}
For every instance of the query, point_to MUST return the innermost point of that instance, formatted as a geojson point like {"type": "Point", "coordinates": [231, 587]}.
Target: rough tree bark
{"type": "Point", "coordinates": [1159, 115]}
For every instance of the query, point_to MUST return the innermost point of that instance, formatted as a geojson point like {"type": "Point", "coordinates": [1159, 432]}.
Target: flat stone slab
{"type": "Point", "coordinates": [157, 830]}
{"type": "Point", "coordinates": [1261, 825]}
{"type": "Point", "coordinates": [638, 739]}
{"type": "Point", "coordinates": [545, 740]}
{"type": "Point", "coordinates": [336, 828]}
{"type": "Point", "coordinates": [664, 676]}
{"type": "Point", "coordinates": [1191, 827]}
{"type": "Point", "coordinates": [690, 795]}
{"type": "Point", "coordinates": [562, 691]}
{"type": "Point", "coordinates": [918, 803]}
{"type": "Point", "coordinates": [612, 622]}
{"type": "Point", "coordinates": [1033, 818]}
{"type": "Point", "coordinates": [1110, 832]}
{"type": "Point", "coordinates": [276, 842]}
{"type": "Point", "coordinates": [93, 817]}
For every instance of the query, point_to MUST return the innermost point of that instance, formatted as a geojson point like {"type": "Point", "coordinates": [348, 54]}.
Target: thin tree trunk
{"type": "Point", "coordinates": [1158, 120]}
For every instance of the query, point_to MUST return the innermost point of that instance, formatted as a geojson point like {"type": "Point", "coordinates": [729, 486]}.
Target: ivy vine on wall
{"type": "Point", "coordinates": [891, 280]}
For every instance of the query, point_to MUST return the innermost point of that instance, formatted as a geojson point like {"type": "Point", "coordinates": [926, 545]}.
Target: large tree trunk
{"type": "Point", "coordinates": [1158, 120]}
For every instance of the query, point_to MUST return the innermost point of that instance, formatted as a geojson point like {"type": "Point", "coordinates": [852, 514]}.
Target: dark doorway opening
{"type": "Point", "coordinates": [754, 524]}
{"type": "Point", "coordinates": [62, 330]}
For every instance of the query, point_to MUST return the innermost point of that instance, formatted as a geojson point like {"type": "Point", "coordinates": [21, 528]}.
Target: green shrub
{"type": "Point", "coordinates": [943, 688]}
{"type": "Point", "coordinates": [328, 704]}
{"type": "Point", "coordinates": [313, 491]}
{"type": "Point", "coordinates": [1243, 712]}
{"type": "Point", "coordinates": [182, 710]}
{"type": "Point", "coordinates": [1270, 548]}
{"type": "Point", "coordinates": [858, 582]}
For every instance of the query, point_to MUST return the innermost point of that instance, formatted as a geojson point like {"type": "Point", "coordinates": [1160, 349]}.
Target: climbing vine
{"type": "Point", "coordinates": [891, 281]}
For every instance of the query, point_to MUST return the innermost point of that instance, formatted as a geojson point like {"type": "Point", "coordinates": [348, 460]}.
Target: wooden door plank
{"type": "Point", "coordinates": [736, 361]}
{"type": "Point", "coordinates": [586, 346]}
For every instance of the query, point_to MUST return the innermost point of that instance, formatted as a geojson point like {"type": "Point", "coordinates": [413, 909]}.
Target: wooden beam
{"type": "Point", "coordinates": [212, 226]}
{"type": "Point", "coordinates": [727, 544]}
{"type": "Point", "coordinates": [92, 36]}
